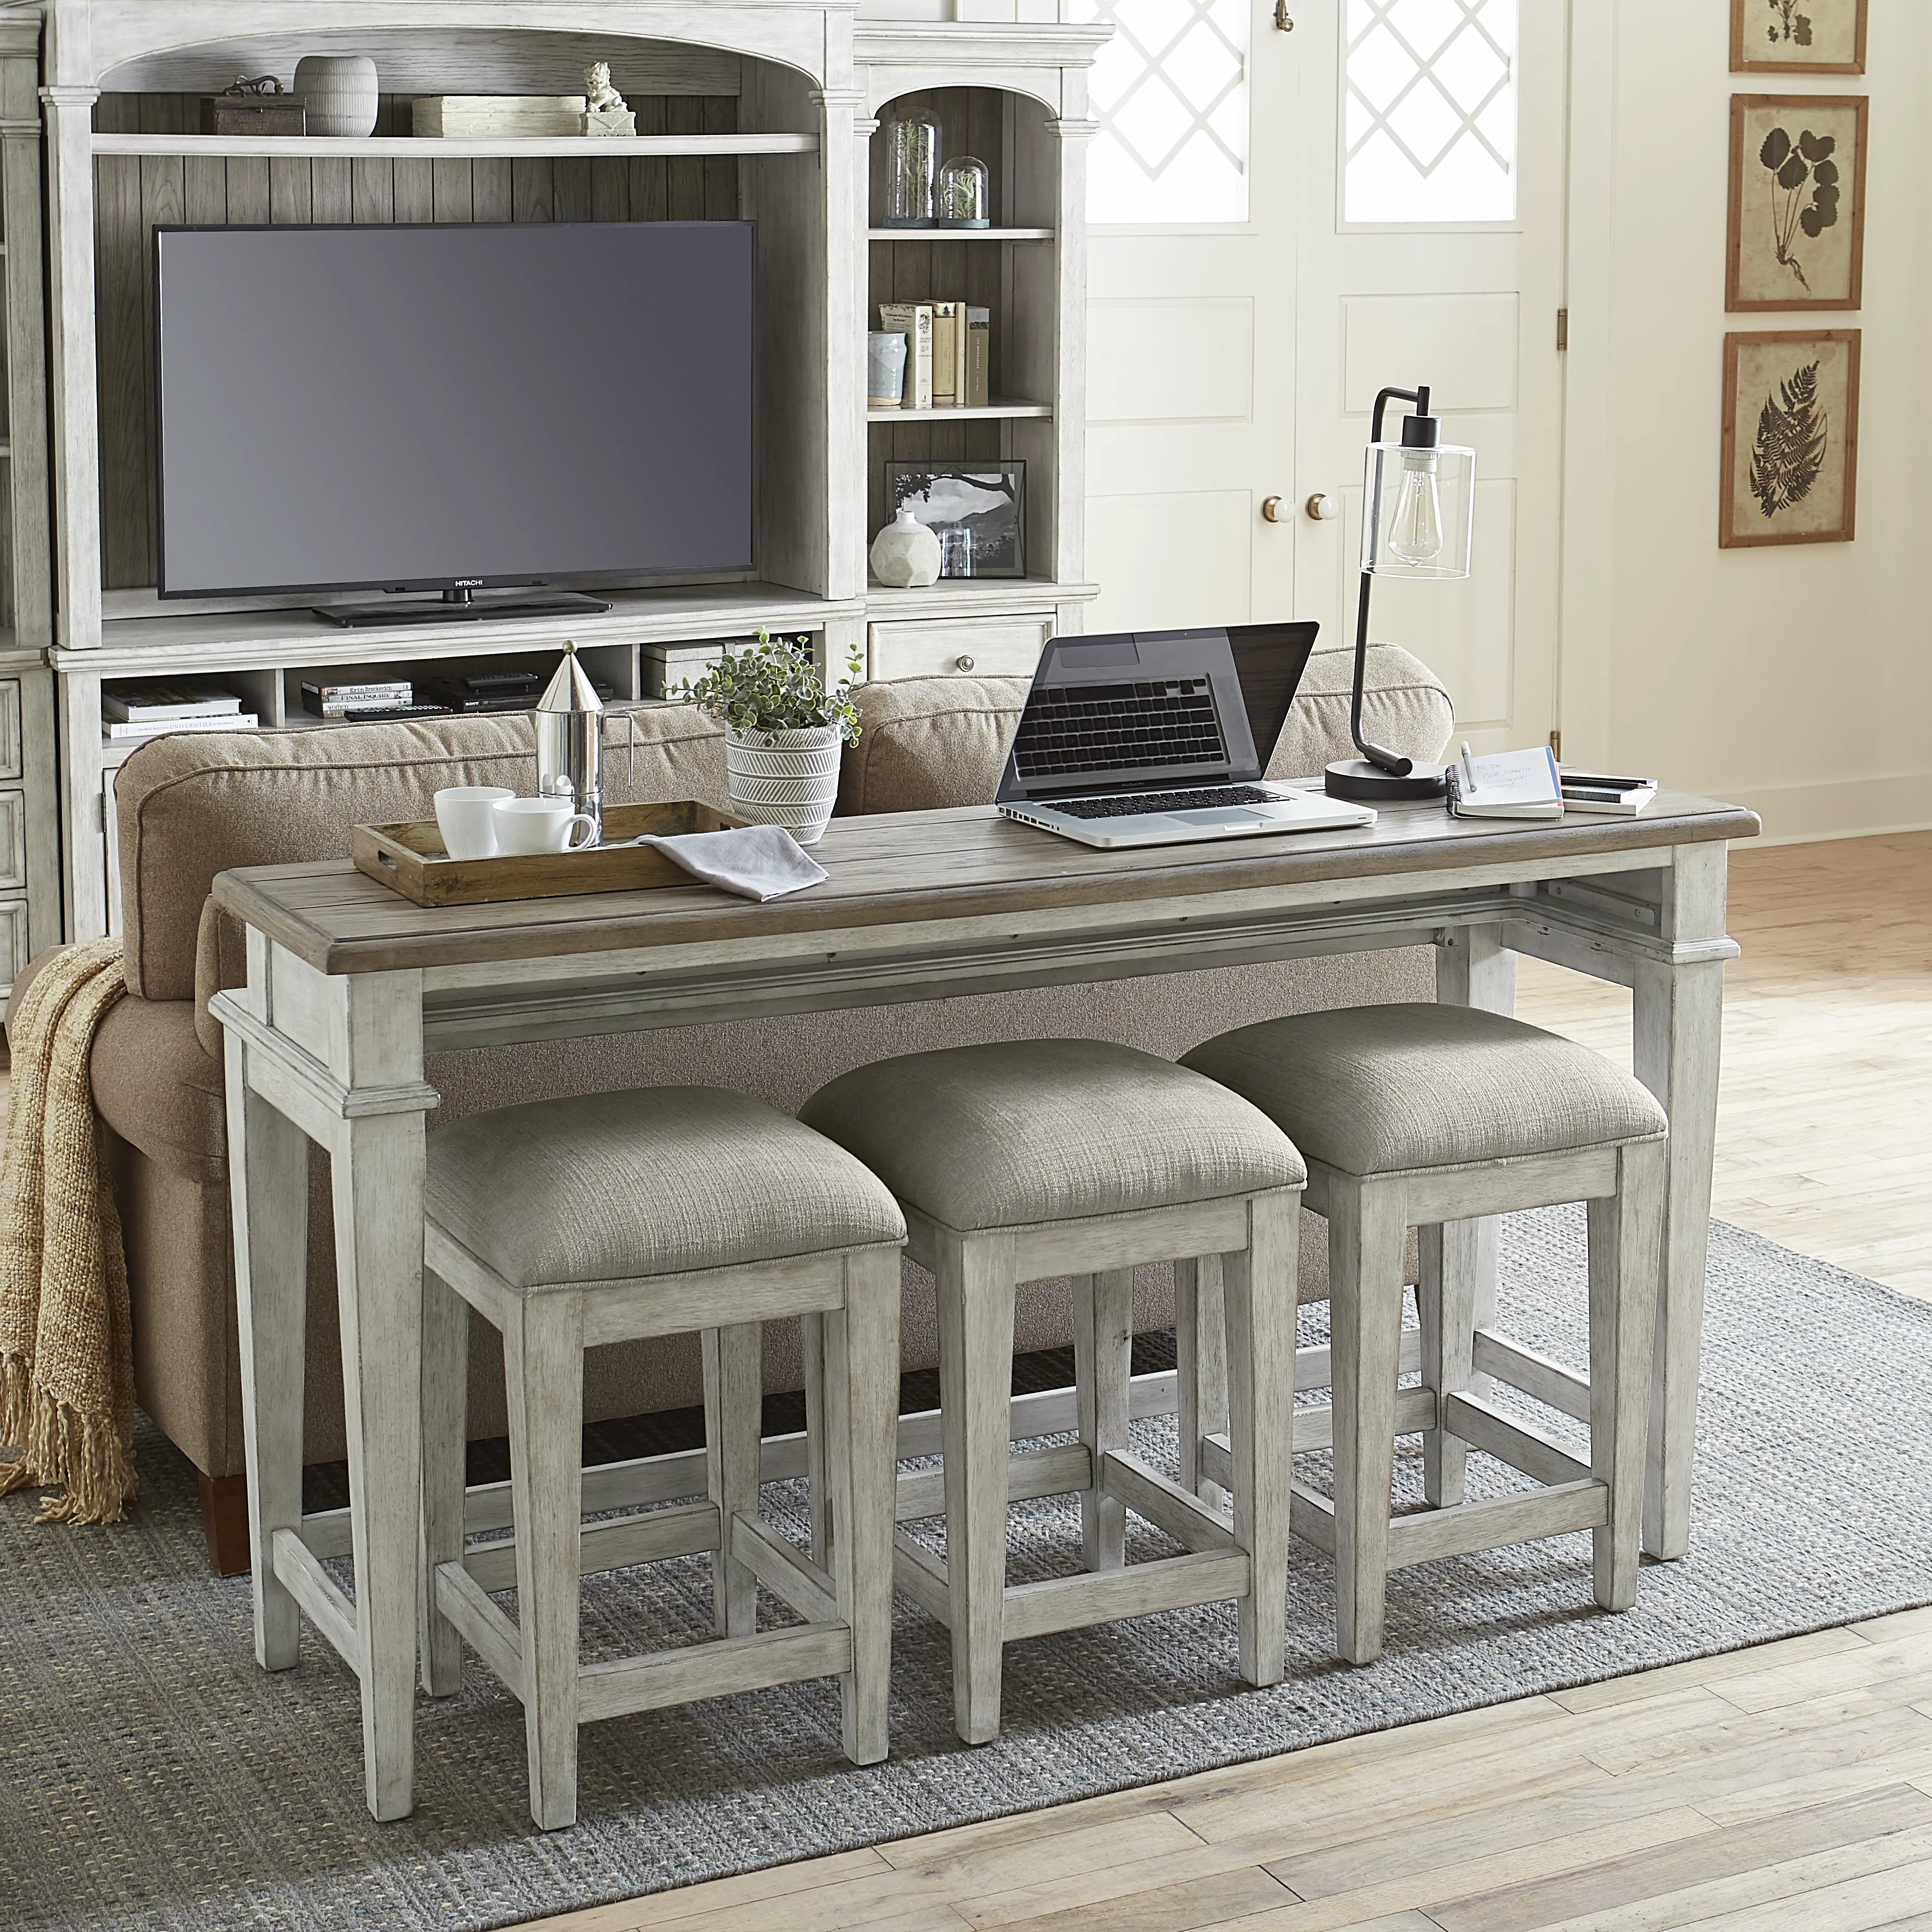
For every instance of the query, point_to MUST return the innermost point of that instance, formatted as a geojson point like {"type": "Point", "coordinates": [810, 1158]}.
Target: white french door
{"type": "Point", "coordinates": [1372, 197]}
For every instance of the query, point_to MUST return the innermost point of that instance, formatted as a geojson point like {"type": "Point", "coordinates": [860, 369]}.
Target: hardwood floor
{"type": "Point", "coordinates": [1786, 1789]}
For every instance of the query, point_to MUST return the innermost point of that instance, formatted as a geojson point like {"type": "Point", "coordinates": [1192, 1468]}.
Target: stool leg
{"type": "Point", "coordinates": [543, 1360]}
{"type": "Point", "coordinates": [975, 1301]}
{"type": "Point", "coordinates": [1103, 1321]}
{"type": "Point", "coordinates": [861, 1414]}
{"type": "Point", "coordinates": [811, 1356]}
{"type": "Point", "coordinates": [1366, 1227]}
{"type": "Point", "coordinates": [733, 1437]}
{"type": "Point", "coordinates": [1201, 1366]}
{"type": "Point", "coordinates": [1261, 1293]}
{"type": "Point", "coordinates": [446, 1364]}
{"type": "Point", "coordinates": [1626, 1238]}
{"type": "Point", "coordinates": [1446, 1295]}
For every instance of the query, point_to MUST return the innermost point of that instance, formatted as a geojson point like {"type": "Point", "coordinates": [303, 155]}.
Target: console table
{"type": "Point", "coordinates": [348, 985]}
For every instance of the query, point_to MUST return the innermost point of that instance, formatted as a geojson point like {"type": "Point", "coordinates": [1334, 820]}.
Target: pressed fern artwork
{"type": "Point", "coordinates": [1790, 438]}
{"type": "Point", "coordinates": [1793, 433]}
{"type": "Point", "coordinates": [1797, 207]}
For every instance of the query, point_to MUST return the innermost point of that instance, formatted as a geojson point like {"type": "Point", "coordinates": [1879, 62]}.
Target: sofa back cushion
{"type": "Point", "coordinates": [199, 803]}
{"type": "Point", "coordinates": [932, 742]}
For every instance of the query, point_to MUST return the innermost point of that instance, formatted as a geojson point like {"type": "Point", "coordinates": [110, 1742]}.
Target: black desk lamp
{"type": "Point", "coordinates": [1417, 495]}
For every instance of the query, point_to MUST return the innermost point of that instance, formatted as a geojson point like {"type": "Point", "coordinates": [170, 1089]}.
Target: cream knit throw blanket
{"type": "Point", "coordinates": [66, 1367]}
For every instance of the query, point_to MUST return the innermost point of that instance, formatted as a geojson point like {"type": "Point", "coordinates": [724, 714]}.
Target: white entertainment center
{"type": "Point", "coordinates": [763, 109]}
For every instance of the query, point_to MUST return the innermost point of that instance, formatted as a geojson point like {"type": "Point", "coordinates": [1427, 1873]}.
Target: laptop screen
{"type": "Point", "coordinates": [1137, 709]}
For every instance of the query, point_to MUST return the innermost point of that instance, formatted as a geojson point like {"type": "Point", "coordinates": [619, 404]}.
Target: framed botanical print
{"type": "Point", "coordinates": [1798, 36]}
{"type": "Point", "coordinates": [1791, 438]}
{"type": "Point", "coordinates": [1797, 237]}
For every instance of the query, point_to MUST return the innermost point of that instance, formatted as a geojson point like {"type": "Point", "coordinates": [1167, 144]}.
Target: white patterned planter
{"type": "Point", "coordinates": [791, 781]}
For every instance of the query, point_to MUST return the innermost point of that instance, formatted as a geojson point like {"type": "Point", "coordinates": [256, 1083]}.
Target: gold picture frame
{"type": "Point", "coordinates": [1791, 438]}
{"type": "Point", "coordinates": [1795, 238]}
{"type": "Point", "coordinates": [1798, 36]}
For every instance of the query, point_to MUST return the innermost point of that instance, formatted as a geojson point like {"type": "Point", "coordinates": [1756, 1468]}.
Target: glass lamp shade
{"type": "Point", "coordinates": [964, 197]}
{"type": "Point", "coordinates": [912, 156]}
{"type": "Point", "coordinates": [1417, 510]}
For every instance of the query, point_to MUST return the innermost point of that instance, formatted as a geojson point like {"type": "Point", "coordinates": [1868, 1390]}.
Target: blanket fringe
{"type": "Point", "coordinates": [85, 1453]}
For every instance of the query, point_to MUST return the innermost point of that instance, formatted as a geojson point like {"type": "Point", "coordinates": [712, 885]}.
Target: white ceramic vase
{"type": "Point", "coordinates": [340, 93]}
{"type": "Point", "coordinates": [791, 781]}
{"type": "Point", "coordinates": [905, 553]}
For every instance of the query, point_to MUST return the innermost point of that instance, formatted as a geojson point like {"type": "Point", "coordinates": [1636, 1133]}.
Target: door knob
{"type": "Point", "coordinates": [1284, 20]}
{"type": "Point", "coordinates": [1321, 506]}
{"type": "Point", "coordinates": [1271, 509]}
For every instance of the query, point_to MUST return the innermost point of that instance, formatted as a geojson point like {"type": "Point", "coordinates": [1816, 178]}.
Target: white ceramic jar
{"type": "Point", "coordinates": [340, 93]}
{"type": "Point", "coordinates": [791, 781]}
{"type": "Point", "coordinates": [905, 553]}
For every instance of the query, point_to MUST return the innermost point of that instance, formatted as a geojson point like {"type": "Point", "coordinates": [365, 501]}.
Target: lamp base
{"type": "Point", "coordinates": [1356, 779]}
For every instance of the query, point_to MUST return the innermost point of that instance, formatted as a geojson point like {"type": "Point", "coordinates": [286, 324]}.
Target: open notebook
{"type": "Point", "coordinates": [1507, 784]}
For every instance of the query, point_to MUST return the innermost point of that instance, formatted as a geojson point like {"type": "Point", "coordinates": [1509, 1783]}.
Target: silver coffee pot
{"type": "Point", "coordinates": [570, 740]}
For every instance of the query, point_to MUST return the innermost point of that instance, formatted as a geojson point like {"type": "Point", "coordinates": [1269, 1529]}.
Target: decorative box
{"type": "Point", "coordinates": [257, 106]}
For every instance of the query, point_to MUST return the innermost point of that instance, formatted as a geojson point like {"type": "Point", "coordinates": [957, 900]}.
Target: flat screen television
{"type": "Point", "coordinates": [451, 407]}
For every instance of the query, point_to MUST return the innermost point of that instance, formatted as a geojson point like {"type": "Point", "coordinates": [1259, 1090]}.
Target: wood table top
{"type": "Point", "coordinates": [923, 867]}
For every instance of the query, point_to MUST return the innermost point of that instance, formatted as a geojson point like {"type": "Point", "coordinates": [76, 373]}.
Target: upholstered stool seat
{"type": "Point", "coordinates": [1024, 1160]}
{"type": "Point", "coordinates": [615, 1217]}
{"type": "Point", "coordinates": [1432, 1116]}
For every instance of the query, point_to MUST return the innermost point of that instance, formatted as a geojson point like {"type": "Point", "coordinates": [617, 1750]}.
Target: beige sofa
{"type": "Point", "coordinates": [193, 805]}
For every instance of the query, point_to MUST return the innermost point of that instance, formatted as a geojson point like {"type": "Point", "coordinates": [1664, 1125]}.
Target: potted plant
{"type": "Point", "coordinates": [783, 732]}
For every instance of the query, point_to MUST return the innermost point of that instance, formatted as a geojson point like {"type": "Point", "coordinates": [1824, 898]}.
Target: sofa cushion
{"type": "Point", "coordinates": [929, 742]}
{"type": "Point", "coordinates": [197, 803]}
{"type": "Point", "coordinates": [156, 1087]}
{"type": "Point", "coordinates": [651, 1180]}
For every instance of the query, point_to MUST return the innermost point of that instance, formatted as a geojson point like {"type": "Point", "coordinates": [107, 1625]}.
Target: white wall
{"type": "Point", "coordinates": [1798, 680]}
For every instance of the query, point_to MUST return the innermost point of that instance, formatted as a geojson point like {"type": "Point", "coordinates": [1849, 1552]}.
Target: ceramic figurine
{"type": "Point", "coordinates": [604, 109]}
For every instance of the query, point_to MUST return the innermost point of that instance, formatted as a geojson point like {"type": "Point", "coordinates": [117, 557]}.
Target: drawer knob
{"type": "Point", "coordinates": [963, 664]}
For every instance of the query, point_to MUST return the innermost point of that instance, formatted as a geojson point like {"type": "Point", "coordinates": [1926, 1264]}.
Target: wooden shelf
{"type": "Point", "coordinates": [959, 234]}
{"type": "Point", "coordinates": [323, 147]}
{"type": "Point", "coordinates": [994, 412]}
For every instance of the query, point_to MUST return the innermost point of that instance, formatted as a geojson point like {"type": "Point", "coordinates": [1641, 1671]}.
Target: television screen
{"type": "Point", "coordinates": [415, 407]}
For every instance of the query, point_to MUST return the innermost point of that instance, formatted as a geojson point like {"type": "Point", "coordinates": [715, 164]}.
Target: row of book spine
{"type": "Point", "coordinates": [949, 354]}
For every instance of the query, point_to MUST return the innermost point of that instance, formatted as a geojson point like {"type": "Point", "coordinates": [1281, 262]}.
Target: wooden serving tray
{"type": "Point", "coordinates": [409, 859]}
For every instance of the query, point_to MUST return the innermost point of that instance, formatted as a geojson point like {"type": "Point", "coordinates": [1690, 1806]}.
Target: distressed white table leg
{"type": "Point", "coordinates": [1201, 1367]}
{"type": "Point", "coordinates": [734, 1384]}
{"type": "Point", "coordinates": [268, 1187]}
{"type": "Point", "coordinates": [445, 1375]}
{"type": "Point", "coordinates": [1474, 968]}
{"type": "Point", "coordinates": [1678, 1026]}
{"type": "Point", "coordinates": [1451, 1255]}
{"type": "Point", "coordinates": [818, 1497]}
{"type": "Point", "coordinates": [378, 1162]}
{"type": "Point", "coordinates": [1103, 1320]}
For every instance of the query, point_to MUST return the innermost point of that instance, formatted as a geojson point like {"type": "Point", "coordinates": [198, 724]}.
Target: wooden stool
{"type": "Point", "coordinates": [1425, 1117]}
{"type": "Point", "coordinates": [1026, 1160]}
{"type": "Point", "coordinates": [570, 1223]}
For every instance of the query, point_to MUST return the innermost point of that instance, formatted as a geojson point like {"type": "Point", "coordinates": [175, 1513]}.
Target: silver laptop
{"type": "Point", "coordinates": [1161, 737]}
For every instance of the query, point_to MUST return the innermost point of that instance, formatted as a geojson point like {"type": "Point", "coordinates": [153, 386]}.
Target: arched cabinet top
{"type": "Point", "coordinates": [180, 45]}
{"type": "Point", "coordinates": [1047, 64]}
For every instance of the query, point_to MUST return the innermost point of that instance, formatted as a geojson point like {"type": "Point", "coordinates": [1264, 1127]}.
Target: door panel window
{"type": "Point", "coordinates": [1429, 120]}
{"type": "Point", "coordinates": [1170, 90]}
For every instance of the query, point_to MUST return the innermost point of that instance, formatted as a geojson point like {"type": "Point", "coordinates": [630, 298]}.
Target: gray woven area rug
{"type": "Point", "coordinates": [151, 1777]}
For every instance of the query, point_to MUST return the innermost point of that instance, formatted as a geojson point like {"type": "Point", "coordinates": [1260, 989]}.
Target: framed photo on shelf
{"type": "Point", "coordinates": [1798, 36]}
{"type": "Point", "coordinates": [1797, 230]}
{"type": "Point", "coordinates": [1791, 438]}
{"type": "Point", "coordinates": [976, 510]}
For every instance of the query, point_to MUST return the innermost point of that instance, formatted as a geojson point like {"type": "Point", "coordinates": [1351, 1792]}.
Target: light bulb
{"type": "Point", "coordinates": [1415, 531]}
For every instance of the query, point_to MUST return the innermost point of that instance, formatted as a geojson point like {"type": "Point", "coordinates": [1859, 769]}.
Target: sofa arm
{"type": "Point", "coordinates": [221, 964]}
{"type": "Point", "coordinates": [1405, 708]}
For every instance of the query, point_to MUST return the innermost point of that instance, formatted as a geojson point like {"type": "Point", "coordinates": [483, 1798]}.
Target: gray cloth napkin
{"type": "Point", "coordinates": [758, 862]}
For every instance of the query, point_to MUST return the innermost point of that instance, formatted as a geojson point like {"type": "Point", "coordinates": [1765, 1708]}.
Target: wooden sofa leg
{"type": "Point", "coordinates": [224, 1517]}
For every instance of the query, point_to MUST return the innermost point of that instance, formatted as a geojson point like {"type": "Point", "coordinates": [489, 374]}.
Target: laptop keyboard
{"type": "Point", "coordinates": [1158, 801]}
{"type": "Point", "coordinates": [1167, 722]}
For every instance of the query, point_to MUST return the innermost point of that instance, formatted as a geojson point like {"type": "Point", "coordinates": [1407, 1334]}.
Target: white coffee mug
{"type": "Point", "coordinates": [464, 818]}
{"type": "Point", "coordinates": [542, 825]}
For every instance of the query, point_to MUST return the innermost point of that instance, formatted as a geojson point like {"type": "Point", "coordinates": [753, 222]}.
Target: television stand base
{"type": "Point", "coordinates": [460, 609]}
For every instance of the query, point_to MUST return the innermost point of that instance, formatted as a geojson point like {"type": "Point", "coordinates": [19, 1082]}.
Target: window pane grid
{"type": "Point", "coordinates": [1429, 122]}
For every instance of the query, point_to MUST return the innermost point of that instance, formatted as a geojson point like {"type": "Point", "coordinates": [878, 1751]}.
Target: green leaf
{"type": "Point", "coordinates": [1817, 147]}
{"type": "Point", "coordinates": [1777, 145]}
{"type": "Point", "coordinates": [1793, 434]}
{"type": "Point", "coordinates": [1825, 173]}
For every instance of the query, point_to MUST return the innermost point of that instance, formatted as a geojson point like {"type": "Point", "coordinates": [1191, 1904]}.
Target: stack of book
{"type": "Point", "coordinates": [667, 667]}
{"type": "Point", "coordinates": [491, 116]}
{"type": "Point", "coordinates": [337, 700]}
{"type": "Point", "coordinates": [146, 711]}
{"type": "Point", "coordinates": [949, 353]}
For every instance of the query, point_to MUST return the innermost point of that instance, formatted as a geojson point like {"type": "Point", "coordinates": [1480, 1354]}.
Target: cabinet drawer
{"type": "Point", "coordinates": [10, 727]}
{"type": "Point", "coordinates": [12, 841]}
{"type": "Point", "coordinates": [979, 647]}
{"type": "Point", "coordinates": [14, 948]}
